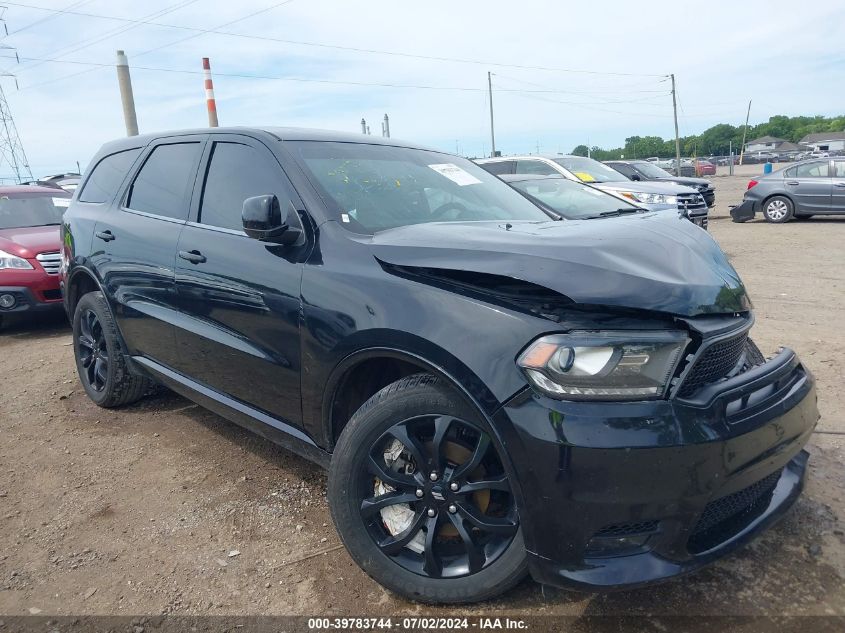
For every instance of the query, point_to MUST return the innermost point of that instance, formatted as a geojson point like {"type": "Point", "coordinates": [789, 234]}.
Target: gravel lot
{"type": "Point", "coordinates": [163, 507]}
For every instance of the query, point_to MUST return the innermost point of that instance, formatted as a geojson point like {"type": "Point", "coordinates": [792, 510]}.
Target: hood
{"type": "Point", "coordinates": [645, 186]}
{"type": "Point", "coordinates": [27, 242]}
{"type": "Point", "coordinates": [687, 181]}
{"type": "Point", "coordinates": [646, 261]}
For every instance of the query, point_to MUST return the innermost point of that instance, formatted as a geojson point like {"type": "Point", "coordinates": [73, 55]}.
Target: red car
{"type": "Point", "coordinates": [704, 168]}
{"type": "Point", "coordinates": [30, 219]}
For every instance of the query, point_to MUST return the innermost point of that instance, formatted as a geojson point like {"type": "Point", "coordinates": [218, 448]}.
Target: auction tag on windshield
{"type": "Point", "coordinates": [584, 176]}
{"type": "Point", "coordinates": [61, 202]}
{"type": "Point", "coordinates": [455, 174]}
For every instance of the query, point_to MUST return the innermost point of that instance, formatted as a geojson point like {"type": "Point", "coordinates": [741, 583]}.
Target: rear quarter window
{"type": "Point", "coordinates": [499, 168]}
{"type": "Point", "coordinates": [163, 184]}
{"type": "Point", "coordinates": [104, 181]}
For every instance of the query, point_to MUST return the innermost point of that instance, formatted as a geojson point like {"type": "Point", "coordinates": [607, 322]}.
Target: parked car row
{"type": "Point", "coordinates": [655, 194]}
{"type": "Point", "coordinates": [68, 181]}
{"type": "Point", "coordinates": [541, 372]}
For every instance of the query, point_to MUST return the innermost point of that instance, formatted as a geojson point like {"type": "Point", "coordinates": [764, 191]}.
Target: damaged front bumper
{"type": "Point", "coordinates": [621, 494]}
{"type": "Point", "coordinates": [744, 211]}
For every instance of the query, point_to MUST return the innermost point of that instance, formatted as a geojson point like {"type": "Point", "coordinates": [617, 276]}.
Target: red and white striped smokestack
{"type": "Point", "coordinates": [209, 93]}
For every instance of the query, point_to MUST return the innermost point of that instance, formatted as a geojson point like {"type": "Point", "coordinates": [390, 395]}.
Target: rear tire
{"type": "Point", "coordinates": [778, 210]}
{"type": "Point", "coordinates": [100, 362]}
{"type": "Point", "coordinates": [443, 541]}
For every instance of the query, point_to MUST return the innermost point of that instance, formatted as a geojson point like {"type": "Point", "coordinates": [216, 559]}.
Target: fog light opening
{"type": "Point", "coordinates": [7, 301]}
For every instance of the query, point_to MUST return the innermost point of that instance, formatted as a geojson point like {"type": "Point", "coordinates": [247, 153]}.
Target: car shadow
{"type": "Point", "coordinates": [36, 325]}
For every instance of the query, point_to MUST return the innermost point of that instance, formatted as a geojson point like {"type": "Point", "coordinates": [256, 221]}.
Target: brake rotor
{"type": "Point", "coordinates": [397, 518]}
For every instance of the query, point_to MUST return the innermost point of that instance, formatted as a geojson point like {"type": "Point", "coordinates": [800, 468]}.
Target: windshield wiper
{"type": "Point", "coordinates": [612, 214]}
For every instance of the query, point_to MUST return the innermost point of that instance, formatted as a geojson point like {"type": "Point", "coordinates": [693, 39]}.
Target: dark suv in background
{"type": "Point", "coordinates": [494, 390]}
{"type": "Point", "coordinates": [639, 170]}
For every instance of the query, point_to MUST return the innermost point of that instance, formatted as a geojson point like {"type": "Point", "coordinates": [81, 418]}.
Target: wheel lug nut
{"type": "Point", "coordinates": [420, 493]}
{"type": "Point", "coordinates": [454, 486]}
{"type": "Point", "coordinates": [431, 512]}
{"type": "Point", "coordinates": [452, 509]}
{"type": "Point", "coordinates": [433, 476]}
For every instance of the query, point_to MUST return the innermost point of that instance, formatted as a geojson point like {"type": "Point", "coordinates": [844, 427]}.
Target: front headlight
{"type": "Point", "coordinates": [604, 365]}
{"type": "Point", "coordinates": [7, 260]}
{"type": "Point", "coordinates": [650, 198]}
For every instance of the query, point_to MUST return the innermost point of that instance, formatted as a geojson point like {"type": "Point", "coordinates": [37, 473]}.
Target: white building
{"type": "Point", "coordinates": [825, 141]}
{"type": "Point", "coordinates": [764, 144]}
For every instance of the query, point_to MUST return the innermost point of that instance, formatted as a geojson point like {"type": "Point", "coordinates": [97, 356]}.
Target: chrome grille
{"type": "Point", "coordinates": [51, 262]}
{"type": "Point", "coordinates": [692, 203]}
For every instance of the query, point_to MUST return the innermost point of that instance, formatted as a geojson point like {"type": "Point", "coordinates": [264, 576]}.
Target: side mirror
{"type": "Point", "coordinates": [263, 220]}
{"type": "Point", "coordinates": [635, 177]}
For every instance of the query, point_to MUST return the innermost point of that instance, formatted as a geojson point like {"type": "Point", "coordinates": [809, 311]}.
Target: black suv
{"type": "Point", "coordinates": [494, 390]}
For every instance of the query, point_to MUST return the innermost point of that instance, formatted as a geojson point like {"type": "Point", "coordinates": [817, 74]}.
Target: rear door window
{"type": "Point", "coordinates": [237, 172]}
{"type": "Point", "coordinates": [104, 181]}
{"type": "Point", "coordinates": [820, 169]}
{"type": "Point", "coordinates": [163, 185]}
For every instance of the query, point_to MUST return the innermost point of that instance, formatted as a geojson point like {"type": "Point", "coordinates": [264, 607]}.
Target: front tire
{"type": "Point", "coordinates": [100, 363]}
{"type": "Point", "coordinates": [421, 499]}
{"type": "Point", "coordinates": [778, 209]}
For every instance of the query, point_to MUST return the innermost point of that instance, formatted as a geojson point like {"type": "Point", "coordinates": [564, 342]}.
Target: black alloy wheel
{"type": "Point", "coordinates": [92, 351]}
{"type": "Point", "coordinates": [102, 367]}
{"type": "Point", "coordinates": [463, 511]}
{"type": "Point", "coordinates": [422, 497]}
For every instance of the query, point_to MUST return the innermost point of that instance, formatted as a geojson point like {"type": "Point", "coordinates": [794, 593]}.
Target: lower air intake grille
{"type": "Point", "coordinates": [725, 517]}
{"type": "Point", "coordinates": [624, 529]}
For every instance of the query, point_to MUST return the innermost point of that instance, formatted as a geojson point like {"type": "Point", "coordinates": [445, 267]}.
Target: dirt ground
{"type": "Point", "coordinates": [163, 507]}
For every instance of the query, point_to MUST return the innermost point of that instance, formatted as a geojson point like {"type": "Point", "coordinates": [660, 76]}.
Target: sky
{"type": "Point", "coordinates": [564, 73]}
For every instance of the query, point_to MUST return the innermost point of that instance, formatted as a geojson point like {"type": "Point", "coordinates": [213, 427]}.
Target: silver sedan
{"type": "Point", "coordinates": [811, 187]}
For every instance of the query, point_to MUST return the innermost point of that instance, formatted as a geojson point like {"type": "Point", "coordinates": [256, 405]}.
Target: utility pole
{"type": "Point", "coordinates": [677, 136]}
{"type": "Point", "coordinates": [744, 130]}
{"type": "Point", "coordinates": [492, 133]}
{"type": "Point", "coordinates": [124, 82]}
{"type": "Point", "coordinates": [210, 101]}
{"type": "Point", "coordinates": [386, 127]}
{"type": "Point", "coordinates": [731, 157]}
{"type": "Point", "coordinates": [363, 125]}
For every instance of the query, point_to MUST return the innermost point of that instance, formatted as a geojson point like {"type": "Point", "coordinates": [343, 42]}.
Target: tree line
{"type": "Point", "coordinates": [717, 140]}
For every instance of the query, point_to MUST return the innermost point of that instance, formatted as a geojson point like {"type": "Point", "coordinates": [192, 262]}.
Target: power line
{"type": "Point", "coordinates": [96, 65]}
{"type": "Point", "coordinates": [58, 12]}
{"type": "Point", "coordinates": [642, 100]}
{"type": "Point", "coordinates": [217, 31]}
{"type": "Point", "coordinates": [85, 43]}
{"type": "Point", "coordinates": [249, 15]}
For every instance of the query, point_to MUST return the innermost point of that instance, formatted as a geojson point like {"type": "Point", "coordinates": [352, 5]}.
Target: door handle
{"type": "Point", "coordinates": [195, 257]}
{"type": "Point", "coordinates": [792, 182]}
{"type": "Point", "coordinates": [106, 236]}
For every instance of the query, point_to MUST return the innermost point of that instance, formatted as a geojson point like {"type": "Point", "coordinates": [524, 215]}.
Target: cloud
{"type": "Point", "coordinates": [722, 56]}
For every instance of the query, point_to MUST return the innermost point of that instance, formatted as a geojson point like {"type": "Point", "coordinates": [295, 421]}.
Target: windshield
{"type": "Point", "coordinates": [27, 210]}
{"type": "Point", "coordinates": [589, 170]}
{"type": "Point", "coordinates": [650, 170]}
{"type": "Point", "coordinates": [371, 188]}
{"type": "Point", "coordinates": [573, 200]}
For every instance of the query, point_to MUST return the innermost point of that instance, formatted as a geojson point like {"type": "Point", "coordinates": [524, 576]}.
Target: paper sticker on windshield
{"type": "Point", "coordinates": [61, 202]}
{"type": "Point", "coordinates": [584, 176]}
{"type": "Point", "coordinates": [455, 174]}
